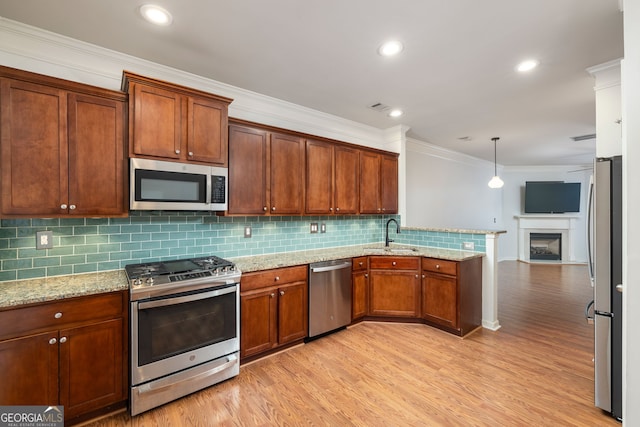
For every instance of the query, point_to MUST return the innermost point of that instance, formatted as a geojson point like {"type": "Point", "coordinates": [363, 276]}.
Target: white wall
{"type": "Point", "coordinates": [631, 213]}
{"type": "Point", "coordinates": [445, 189]}
{"type": "Point", "coordinates": [515, 178]}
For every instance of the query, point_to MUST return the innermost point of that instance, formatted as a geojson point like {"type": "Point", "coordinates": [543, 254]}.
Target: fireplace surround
{"type": "Point", "coordinates": [562, 224]}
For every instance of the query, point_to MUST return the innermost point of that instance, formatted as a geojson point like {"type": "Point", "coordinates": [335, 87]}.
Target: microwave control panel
{"type": "Point", "coordinates": [218, 189]}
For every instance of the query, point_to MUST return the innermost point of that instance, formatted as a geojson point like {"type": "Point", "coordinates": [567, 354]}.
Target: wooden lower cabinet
{"type": "Point", "coordinates": [359, 288]}
{"type": "Point", "coordinates": [452, 294]}
{"type": "Point", "coordinates": [394, 286]}
{"type": "Point", "coordinates": [75, 354]}
{"type": "Point", "coordinates": [273, 309]}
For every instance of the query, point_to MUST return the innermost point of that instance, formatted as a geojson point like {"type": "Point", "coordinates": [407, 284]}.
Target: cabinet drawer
{"type": "Point", "coordinates": [396, 263]}
{"type": "Point", "coordinates": [435, 265]}
{"type": "Point", "coordinates": [55, 315]}
{"type": "Point", "coordinates": [359, 263]}
{"type": "Point", "coordinates": [266, 278]}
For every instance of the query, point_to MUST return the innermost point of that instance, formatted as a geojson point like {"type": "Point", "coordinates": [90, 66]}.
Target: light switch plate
{"type": "Point", "coordinates": [468, 246]}
{"type": "Point", "coordinates": [44, 239]}
{"type": "Point", "coordinates": [323, 228]}
{"type": "Point", "coordinates": [314, 227]}
{"type": "Point", "coordinates": [247, 231]}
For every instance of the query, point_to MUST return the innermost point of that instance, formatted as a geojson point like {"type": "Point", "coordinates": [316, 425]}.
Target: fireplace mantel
{"type": "Point", "coordinates": [546, 223]}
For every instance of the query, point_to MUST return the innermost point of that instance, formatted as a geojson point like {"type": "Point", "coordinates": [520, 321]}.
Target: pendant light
{"type": "Point", "coordinates": [495, 182]}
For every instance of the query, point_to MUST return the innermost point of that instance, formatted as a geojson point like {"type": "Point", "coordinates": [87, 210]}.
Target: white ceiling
{"type": "Point", "coordinates": [455, 77]}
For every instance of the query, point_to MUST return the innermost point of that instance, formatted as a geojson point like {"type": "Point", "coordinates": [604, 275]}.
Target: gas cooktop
{"type": "Point", "coordinates": [180, 275]}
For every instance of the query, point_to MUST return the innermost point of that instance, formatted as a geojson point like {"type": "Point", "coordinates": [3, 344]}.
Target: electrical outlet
{"type": "Point", "coordinates": [44, 239]}
{"type": "Point", "coordinates": [247, 231]}
{"type": "Point", "coordinates": [314, 227]}
{"type": "Point", "coordinates": [323, 228]}
{"type": "Point", "coordinates": [468, 246]}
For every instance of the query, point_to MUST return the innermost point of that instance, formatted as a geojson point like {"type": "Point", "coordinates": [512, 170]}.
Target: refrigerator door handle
{"type": "Point", "coordinates": [588, 315]}
{"type": "Point", "coordinates": [590, 232]}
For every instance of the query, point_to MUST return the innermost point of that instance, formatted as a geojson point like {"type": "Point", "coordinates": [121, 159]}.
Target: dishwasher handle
{"type": "Point", "coordinates": [331, 267]}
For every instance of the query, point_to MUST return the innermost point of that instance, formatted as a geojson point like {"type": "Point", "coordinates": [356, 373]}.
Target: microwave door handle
{"type": "Point", "coordinates": [208, 189]}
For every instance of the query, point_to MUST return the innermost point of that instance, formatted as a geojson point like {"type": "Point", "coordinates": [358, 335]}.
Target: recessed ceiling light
{"type": "Point", "coordinates": [390, 48]}
{"type": "Point", "coordinates": [527, 65]}
{"type": "Point", "coordinates": [156, 14]}
{"type": "Point", "coordinates": [395, 113]}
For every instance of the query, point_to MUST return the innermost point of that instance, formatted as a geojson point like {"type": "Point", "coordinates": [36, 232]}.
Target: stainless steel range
{"type": "Point", "coordinates": [185, 328]}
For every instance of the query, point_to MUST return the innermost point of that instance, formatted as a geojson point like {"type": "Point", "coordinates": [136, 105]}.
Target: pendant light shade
{"type": "Point", "coordinates": [495, 182]}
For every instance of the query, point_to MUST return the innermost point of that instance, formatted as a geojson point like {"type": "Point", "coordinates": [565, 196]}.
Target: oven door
{"type": "Point", "coordinates": [176, 332]}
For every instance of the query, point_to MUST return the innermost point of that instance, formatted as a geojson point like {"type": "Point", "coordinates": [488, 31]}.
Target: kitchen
{"type": "Point", "coordinates": [184, 225]}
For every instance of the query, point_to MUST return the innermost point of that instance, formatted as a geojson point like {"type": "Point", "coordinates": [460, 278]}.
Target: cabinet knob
{"type": "Point", "coordinates": [360, 263]}
{"type": "Point", "coordinates": [277, 278]}
{"type": "Point", "coordinates": [63, 340]}
{"type": "Point", "coordinates": [330, 209]}
{"type": "Point", "coordinates": [384, 209]}
{"type": "Point", "coordinates": [264, 208]}
{"type": "Point", "coordinates": [58, 315]}
{"type": "Point", "coordinates": [272, 295]}
{"type": "Point", "coordinates": [281, 292]}
{"type": "Point", "coordinates": [366, 276]}
{"type": "Point", "coordinates": [63, 206]}
{"type": "Point", "coordinates": [393, 263]}
{"type": "Point", "coordinates": [72, 207]}
{"type": "Point", "coordinates": [337, 209]}
{"type": "Point", "coordinates": [378, 209]}
{"type": "Point", "coordinates": [177, 151]}
{"type": "Point", "coordinates": [53, 341]}
{"type": "Point", "coordinates": [417, 277]}
{"type": "Point", "coordinates": [423, 276]}
{"type": "Point", "coordinates": [273, 208]}
{"type": "Point", "coordinates": [438, 266]}
{"type": "Point", "coordinates": [190, 153]}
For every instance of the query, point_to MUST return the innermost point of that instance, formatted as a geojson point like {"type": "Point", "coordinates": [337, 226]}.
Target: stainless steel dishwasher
{"type": "Point", "coordinates": [329, 296]}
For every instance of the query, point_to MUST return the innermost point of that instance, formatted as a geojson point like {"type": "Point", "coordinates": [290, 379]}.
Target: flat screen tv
{"type": "Point", "coordinates": [551, 197]}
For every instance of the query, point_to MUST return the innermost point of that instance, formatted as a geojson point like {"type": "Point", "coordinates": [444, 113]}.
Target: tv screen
{"type": "Point", "coordinates": [551, 197]}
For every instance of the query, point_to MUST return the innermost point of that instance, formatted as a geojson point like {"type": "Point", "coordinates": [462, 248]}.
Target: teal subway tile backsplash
{"type": "Point", "coordinates": [97, 244]}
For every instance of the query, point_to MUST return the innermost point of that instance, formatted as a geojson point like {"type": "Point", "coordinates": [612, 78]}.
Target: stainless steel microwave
{"type": "Point", "coordinates": [160, 185]}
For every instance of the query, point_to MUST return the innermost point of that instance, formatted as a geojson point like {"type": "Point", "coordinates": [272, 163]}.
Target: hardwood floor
{"type": "Point", "coordinates": [537, 370]}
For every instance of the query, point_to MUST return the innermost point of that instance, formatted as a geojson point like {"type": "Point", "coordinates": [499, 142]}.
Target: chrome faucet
{"type": "Point", "coordinates": [387, 240]}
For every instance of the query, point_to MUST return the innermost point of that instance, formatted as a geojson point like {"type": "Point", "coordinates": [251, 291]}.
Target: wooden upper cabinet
{"type": "Point", "coordinates": [331, 179]}
{"type": "Point", "coordinates": [173, 122]}
{"type": "Point", "coordinates": [62, 147]}
{"type": "Point", "coordinates": [247, 171]}
{"type": "Point", "coordinates": [266, 172]}
{"type": "Point", "coordinates": [378, 183]}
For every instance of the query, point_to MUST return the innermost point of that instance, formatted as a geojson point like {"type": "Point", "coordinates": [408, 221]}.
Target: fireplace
{"type": "Point", "coordinates": [545, 246]}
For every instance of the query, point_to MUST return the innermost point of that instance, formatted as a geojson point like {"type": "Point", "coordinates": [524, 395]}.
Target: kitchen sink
{"type": "Point", "coordinates": [390, 250]}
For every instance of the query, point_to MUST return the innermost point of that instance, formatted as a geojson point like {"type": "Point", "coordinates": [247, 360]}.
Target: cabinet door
{"type": "Point", "coordinates": [91, 367]}
{"type": "Point", "coordinates": [369, 183]}
{"type": "Point", "coordinates": [247, 171]}
{"type": "Point", "coordinates": [96, 156]}
{"type": "Point", "coordinates": [394, 293]}
{"type": "Point", "coordinates": [29, 367]}
{"type": "Point", "coordinates": [440, 299]}
{"type": "Point", "coordinates": [345, 189]}
{"type": "Point", "coordinates": [293, 315]}
{"type": "Point", "coordinates": [286, 174]}
{"type": "Point", "coordinates": [389, 184]}
{"type": "Point", "coordinates": [360, 290]}
{"type": "Point", "coordinates": [258, 320]}
{"type": "Point", "coordinates": [207, 131]}
{"type": "Point", "coordinates": [34, 146]}
{"type": "Point", "coordinates": [157, 118]}
{"type": "Point", "coordinates": [319, 182]}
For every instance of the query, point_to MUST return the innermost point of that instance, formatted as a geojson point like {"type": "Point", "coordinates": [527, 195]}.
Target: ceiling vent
{"type": "Point", "coordinates": [584, 137]}
{"type": "Point", "coordinates": [380, 107]}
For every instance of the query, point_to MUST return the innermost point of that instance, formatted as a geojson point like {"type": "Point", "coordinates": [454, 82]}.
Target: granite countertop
{"type": "Point", "coordinates": [266, 262]}
{"type": "Point", "coordinates": [19, 292]}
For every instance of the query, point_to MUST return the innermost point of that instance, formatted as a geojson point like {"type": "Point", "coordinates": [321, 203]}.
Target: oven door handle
{"type": "Point", "coordinates": [185, 298]}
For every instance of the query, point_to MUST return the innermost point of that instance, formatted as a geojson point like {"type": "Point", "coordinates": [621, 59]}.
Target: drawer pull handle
{"type": "Point", "coordinates": [438, 266]}
{"type": "Point", "coordinates": [52, 341]}
{"type": "Point", "coordinates": [277, 278]}
{"type": "Point", "coordinates": [360, 263]}
{"type": "Point", "coordinates": [393, 263]}
{"type": "Point", "coordinates": [58, 315]}
{"type": "Point", "coordinates": [63, 340]}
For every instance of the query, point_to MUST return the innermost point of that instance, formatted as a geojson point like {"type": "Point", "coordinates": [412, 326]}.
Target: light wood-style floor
{"type": "Point", "coordinates": [537, 370]}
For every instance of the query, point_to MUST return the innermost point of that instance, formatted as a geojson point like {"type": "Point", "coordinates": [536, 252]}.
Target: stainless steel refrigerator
{"type": "Point", "coordinates": [605, 265]}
